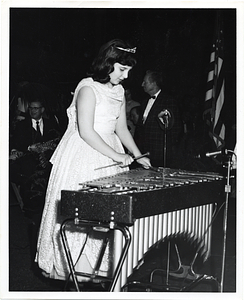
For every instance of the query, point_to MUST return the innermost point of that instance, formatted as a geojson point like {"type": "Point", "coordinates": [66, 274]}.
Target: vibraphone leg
{"type": "Point", "coordinates": [68, 254]}
{"type": "Point", "coordinates": [126, 233]}
{"type": "Point", "coordinates": [101, 254]}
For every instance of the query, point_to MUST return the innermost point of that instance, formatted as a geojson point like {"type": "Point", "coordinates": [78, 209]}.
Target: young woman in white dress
{"type": "Point", "coordinates": [95, 136]}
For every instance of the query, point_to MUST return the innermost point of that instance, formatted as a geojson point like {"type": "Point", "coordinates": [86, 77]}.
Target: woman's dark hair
{"type": "Point", "coordinates": [108, 55]}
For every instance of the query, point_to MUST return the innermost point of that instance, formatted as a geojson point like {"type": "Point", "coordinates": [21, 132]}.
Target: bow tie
{"type": "Point", "coordinates": [153, 97]}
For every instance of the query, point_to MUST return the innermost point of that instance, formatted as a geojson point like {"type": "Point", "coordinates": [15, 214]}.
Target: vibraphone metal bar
{"type": "Point", "coordinates": [155, 203]}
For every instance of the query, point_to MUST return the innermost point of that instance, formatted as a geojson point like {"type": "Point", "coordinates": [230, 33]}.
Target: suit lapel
{"type": "Point", "coordinates": [153, 108]}
{"type": "Point", "coordinates": [46, 127]}
{"type": "Point", "coordinates": [143, 107]}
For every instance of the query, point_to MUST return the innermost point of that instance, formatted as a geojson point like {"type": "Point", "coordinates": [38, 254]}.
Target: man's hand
{"type": "Point", "coordinates": [14, 154]}
{"type": "Point", "coordinates": [35, 148]}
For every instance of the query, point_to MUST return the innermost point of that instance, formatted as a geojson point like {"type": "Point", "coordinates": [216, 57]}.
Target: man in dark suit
{"type": "Point", "coordinates": [33, 143]}
{"type": "Point", "coordinates": [159, 126]}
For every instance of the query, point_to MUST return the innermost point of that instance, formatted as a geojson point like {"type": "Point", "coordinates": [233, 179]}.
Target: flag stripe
{"type": "Point", "coordinates": [210, 75]}
{"type": "Point", "coordinates": [215, 91]}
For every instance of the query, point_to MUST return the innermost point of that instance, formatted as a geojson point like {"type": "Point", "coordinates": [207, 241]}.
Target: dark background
{"type": "Point", "coordinates": [54, 47]}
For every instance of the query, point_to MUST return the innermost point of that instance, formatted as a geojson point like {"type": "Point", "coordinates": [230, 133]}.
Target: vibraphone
{"type": "Point", "coordinates": [152, 204]}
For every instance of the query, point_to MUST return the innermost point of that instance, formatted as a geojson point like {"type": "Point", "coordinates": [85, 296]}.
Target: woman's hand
{"type": "Point", "coordinates": [123, 159]}
{"type": "Point", "coordinates": [144, 161]}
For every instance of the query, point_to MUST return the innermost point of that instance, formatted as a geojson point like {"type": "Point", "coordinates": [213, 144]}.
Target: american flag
{"type": "Point", "coordinates": [215, 95]}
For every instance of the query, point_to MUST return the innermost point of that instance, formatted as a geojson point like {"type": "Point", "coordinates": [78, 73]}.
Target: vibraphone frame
{"type": "Point", "coordinates": [127, 236]}
{"type": "Point", "coordinates": [87, 208]}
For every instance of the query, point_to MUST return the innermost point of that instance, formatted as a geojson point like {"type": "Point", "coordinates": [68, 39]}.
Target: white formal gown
{"type": "Point", "coordinates": [74, 162]}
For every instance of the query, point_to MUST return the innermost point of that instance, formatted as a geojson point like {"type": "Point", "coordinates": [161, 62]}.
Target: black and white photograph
{"type": "Point", "coordinates": [120, 171]}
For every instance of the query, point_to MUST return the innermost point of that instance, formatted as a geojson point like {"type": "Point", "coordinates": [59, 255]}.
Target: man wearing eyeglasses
{"type": "Point", "coordinates": [33, 131]}
{"type": "Point", "coordinates": [32, 145]}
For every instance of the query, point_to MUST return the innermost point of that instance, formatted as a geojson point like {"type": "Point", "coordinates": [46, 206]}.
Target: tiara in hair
{"type": "Point", "coordinates": [131, 50]}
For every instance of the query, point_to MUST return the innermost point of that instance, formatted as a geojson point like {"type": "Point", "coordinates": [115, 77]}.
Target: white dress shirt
{"type": "Point", "coordinates": [149, 106]}
{"type": "Point", "coordinates": [40, 124]}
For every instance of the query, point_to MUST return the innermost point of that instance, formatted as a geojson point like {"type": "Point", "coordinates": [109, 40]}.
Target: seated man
{"type": "Point", "coordinates": [33, 143]}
